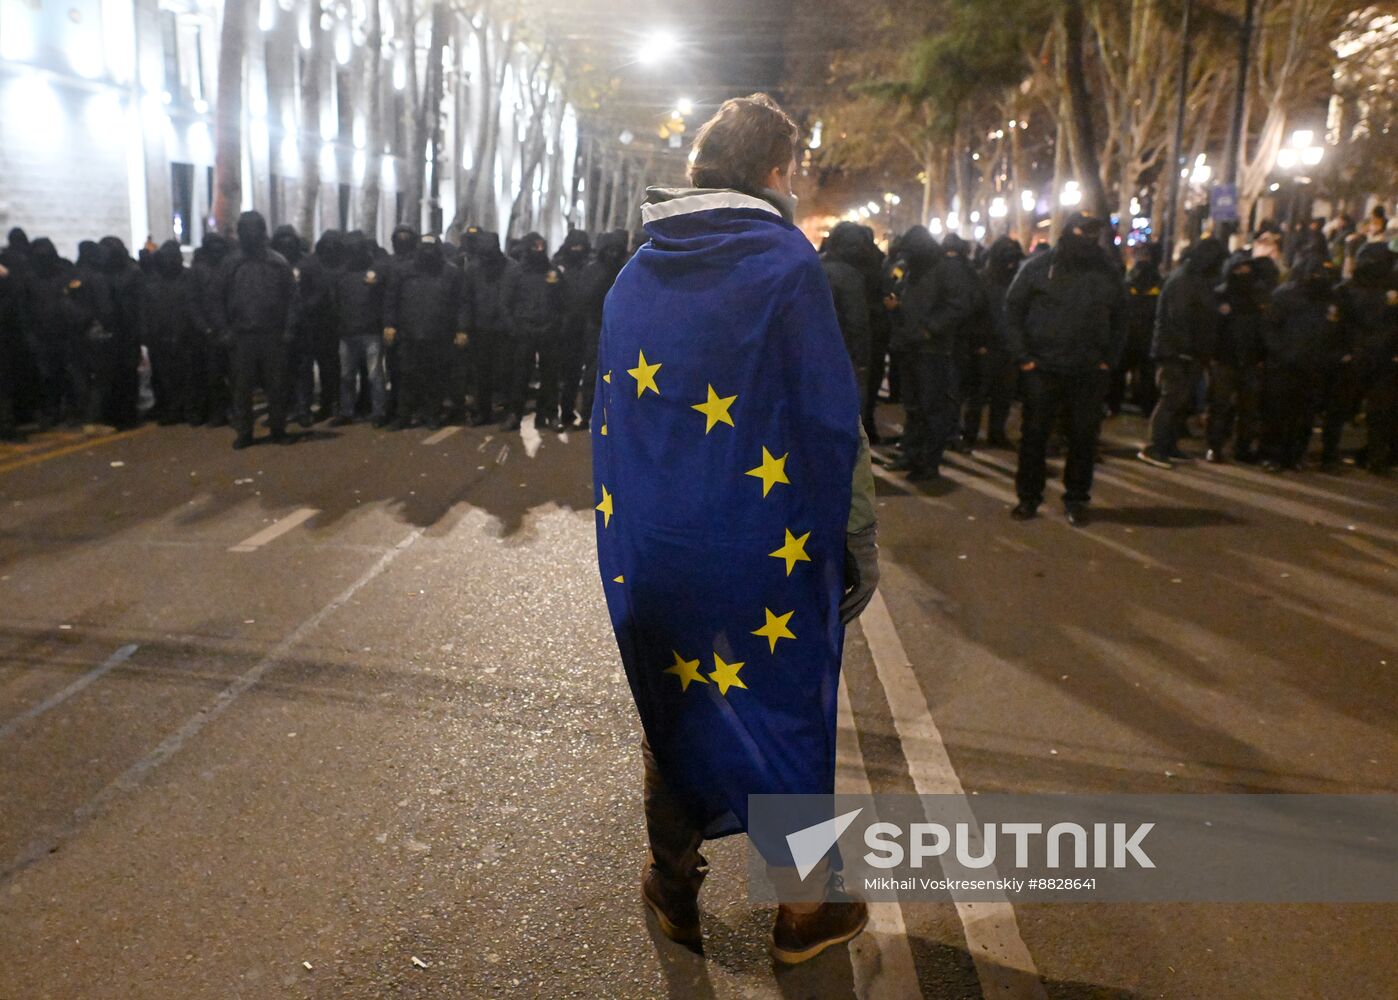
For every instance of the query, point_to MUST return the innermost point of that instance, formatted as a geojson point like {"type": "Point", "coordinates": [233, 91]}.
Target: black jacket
{"type": "Point", "coordinates": [424, 301]}
{"type": "Point", "coordinates": [1186, 318]}
{"type": "Point", "coordinates": [169, 310]}
{"type": "Point", "coordinates": [943, 309]}
{"type": "Point", "coordinates": [1371, 301]}
{"type": "Point", "coordinates": [482, 300]}
{"type": "Point", "coordinates": [1308, 327]}
{"type": "Point", "coordinates": [358, 292]}
{"type": "Point", "coordinates": [842, 257]}
{"type": "Point", "coordinates": [533, 298]}
{"type": "Point", "coordinates": [1244, 299]}
{"type": "Point", "coordinates": [1003, 262]}
{"type": "Point", "coordinates": [1066, 320]}
{"type": "Point", "coordinates": [254, 295]}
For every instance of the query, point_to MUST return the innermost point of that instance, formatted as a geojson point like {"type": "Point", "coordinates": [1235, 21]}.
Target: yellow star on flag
{"type": "Point", "coordinates": [620, 579]}
{"type": "Point", "coordinates": [715, 410]}
{"type": "Point", "coordinates": [725, 675]}
{"type": "Point", "coordinates": [771, 471]}
{"type": "Point", "coordinates": [775, 628]}
{"type": "Point", "coordinates": [644, 375]}
{"type": "Point", "coordinates": [607, 378]}
{"type": "Point", "coordinates": [606, 508]}
{"type": "Point", "coordinates": [793, 550]}
{"type": "Point", "coordinates": [687, 671]}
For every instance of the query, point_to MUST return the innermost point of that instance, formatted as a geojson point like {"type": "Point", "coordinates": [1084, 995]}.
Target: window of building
{"type": "Point", "coordinates": [182, 202]}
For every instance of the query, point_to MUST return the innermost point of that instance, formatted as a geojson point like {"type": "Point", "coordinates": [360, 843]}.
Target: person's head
{"type": "Point", "coordinates": [44, 256]}
{"type": "Point", "coordinates": [1315, 273]}
{"type": "Point", "coordinates": [612, 247]}
{"type": "Point", "coordinates": [19, 240]}
{"type": "Point", "coordinates": [430, 256]}
{"type": "Point", "coordinates": [1080, 240]}
{"type": "Point", "coordinates": [331, 246]}
{"type": "Point", "coordinates": [354, 252]}
{"type": "Point", "coordinates": [954, 246]}
{"type": "Point", "coordinates": [117, 256]}
{"type": "Point", "coordinates": [1238, 274]}
{"type": "Point", "coordinates": [212, 251]}
{"type": "Point", "coordinates": [576, 247]}
{"type": "Point", "coordinates": [252, 232]}
{"type": "Point", "coordinates": [404, 240]}
{"type": "Point", "coordinates": [1373, 265]}
{"type": "Point", "coordinates": [1003, 259]}
{"type": "Point", "coordinates": [90, 255]}
{"type": "Point", "coordinates": [168, 259]}
{"type": "Point", "coordinates": [534, 251]}
{"type": "Point", "coordinates": [287, 242]}
{"type": "Point", "coordinates": [748, 145]}
{"type": "Point", "coordinates": [1206, 257]}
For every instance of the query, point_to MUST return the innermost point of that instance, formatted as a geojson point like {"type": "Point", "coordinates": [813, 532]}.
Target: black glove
{"type": "Point", "coordinates": [861, 572]}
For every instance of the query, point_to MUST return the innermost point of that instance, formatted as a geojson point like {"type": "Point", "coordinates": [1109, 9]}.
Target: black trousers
{"type": "Point", "coordinates": [530, 352]}
{"type": "Point", "coordinates": [489, 350]}
{"type": "Point", "coordinates": [571, 359]}
{"type": "Point", "coordinates": [1235, 398]}
{"type": "Point", "coordinates": [259, 359]}
{"type": "Point", "coordinates": [930, 399]}
{"type": "Point", "coordinates": [170, 376]}
{"type": "Point", "coordinates": [990, 385]}
{"type": "Point", "coordinates": [1380, 389]}
{"type": "Point", "coordinates": [1176, 380]}
{"type": "Point", "coordinates": [423, 368]}
{"type": "Point", "coordinates": [1079, 398]}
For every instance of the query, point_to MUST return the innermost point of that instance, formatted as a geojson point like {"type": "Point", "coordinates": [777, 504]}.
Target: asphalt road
{"type": "Point", "coordinates": [345, 719]}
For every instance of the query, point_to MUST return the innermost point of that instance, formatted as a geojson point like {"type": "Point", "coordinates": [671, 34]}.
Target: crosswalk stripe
{"type": "Point", "coordinates": [275, 530]}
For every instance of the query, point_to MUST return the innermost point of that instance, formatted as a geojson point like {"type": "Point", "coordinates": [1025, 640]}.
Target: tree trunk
{"type": "Point", "coordinates": [428, 114]}
{"type": "Point", "coordinates": [373, 121]}
{"type": "Point", "coordinates": [410, 178]}
{"type": "Point", "coordinates": [1061, 168]}
{"type": "Point", "coordinates": [312, 70]}
{"type": "Point", "coordinates": [228, 117]}
{"type": "Point", "coordinates": [1080, 105]}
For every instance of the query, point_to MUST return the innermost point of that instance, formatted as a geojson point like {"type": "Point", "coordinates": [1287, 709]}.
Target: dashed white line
{"type": "Point", "coordinates": [275, 530]}
{"type": "Point", "coordinates": [442, 435]}
{"type": "Point", "coordinates": [53, 701]}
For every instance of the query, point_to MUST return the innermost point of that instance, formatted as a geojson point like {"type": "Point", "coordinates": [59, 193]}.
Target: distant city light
{"type": "Point", "coordinates": [817, 132]}
{"type": "Point", "coordinates": [1070, 195]}
{"type": "Point", "coordinates": [998, 208]}
{"type": "Point", "coordinates": [934, 226]}
{"type": "Point", "coordinates": [684, 106]}
{"type": "Point", "coordinates": [1302, 138]}
{"type": "Point", "coordinates": [1027, 200]}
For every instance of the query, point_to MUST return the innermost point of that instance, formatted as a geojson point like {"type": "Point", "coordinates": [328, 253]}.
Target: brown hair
{"type": "Point", "coordinates": [738, 147]}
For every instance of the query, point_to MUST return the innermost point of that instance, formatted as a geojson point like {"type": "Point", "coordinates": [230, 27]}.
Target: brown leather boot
{"type": "Point", "coordinates": [800, 936]}
{"type": "Point", "coordinates": [676, 908]}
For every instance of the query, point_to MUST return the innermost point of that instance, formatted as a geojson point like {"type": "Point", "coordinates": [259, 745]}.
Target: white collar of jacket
{"type": "Point", "coordinates": [667, 203]}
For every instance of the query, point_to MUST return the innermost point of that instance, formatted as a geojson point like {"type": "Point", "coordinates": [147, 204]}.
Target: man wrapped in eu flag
{"type": "Point", "coordinates": [735, 517]}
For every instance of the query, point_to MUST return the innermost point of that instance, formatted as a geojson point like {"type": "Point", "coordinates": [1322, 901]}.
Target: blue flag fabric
{"type": "Point", "coordinates": [725, 431]}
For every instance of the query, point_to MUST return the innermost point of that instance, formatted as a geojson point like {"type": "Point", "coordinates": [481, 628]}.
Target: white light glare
{"type": "Point", "coordinates": [1071, 195]}
{"type": "Point", "coordinates": [934, 226]}
{"type": "Point", "coordinates": [655, 47]}
{"type": "Point", "coordinates": [1312, 155]}
{"type": "Point", "coordinates": [1302, 138]}
{"type": "Point", "coordinates": [684, 106]}
{"type": "Point", "coordinates": [1027, 200]}
{"type": "Point", "coordinates": [1287, 158]}
{"type": "Point", "coordinates": [998, 208]}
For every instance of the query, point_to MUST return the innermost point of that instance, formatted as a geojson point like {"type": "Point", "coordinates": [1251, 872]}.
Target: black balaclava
{"type": "Point", "coordinates": [117, 256]}
{"type": "Point", "coordinates": [1078, 244]}
{"type": "Point", "coordinates": [429, 256]}
{"type": "Point", "coordinates": [1316, 275]}
{"type": "Point", "coordinates": [169, 261]}
{"type": "Point", "coordinates": [1003, 260]}
{"type": "Point", "coordinates": [576, 247]}
{"type": "Point", "coordinates": [535, 252]}
{"type": "Point", "coordinates": [1373, 265]}
{"type": "Point", "coordinates": [44, 257]}
{"type": "Point", "coordinates": [19, 241]}
{"type": "Point", "coordinates": [357, 254]}
{"type": "Point", "coordinates": [252, 233]}
{"type": "Point", "coordinates": [90, 256]}
{"type": "Point", "coordinates": [404, 241]}
{"type": "Point", "coordinates": [954, 246]}
{"type": "Point", "coordinates": [287, 243]}
{"type": "Point", "coordinates": [919, 248]}
{"type": "Point", "coordinates": [1206, 257]}
{"type": "Point", "coordinates": [1239, 275]}
{"type": "Point", "coordinates": [331, 247]}
{"type": "Point", "coordinates": [214, 248]}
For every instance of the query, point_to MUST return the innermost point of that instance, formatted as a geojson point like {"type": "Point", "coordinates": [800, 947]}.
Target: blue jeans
{"type": "Point", "coordinates": [368, 351]}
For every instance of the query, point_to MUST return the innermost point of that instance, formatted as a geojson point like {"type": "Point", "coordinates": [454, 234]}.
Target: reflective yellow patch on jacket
{"type": "Point", "coordinates": [551, 277]}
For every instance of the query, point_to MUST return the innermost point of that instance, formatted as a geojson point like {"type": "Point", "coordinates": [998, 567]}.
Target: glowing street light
{"type": "Point", "coordinates": [998, 209]}
{"type": "Point", "coordinates": [1070, 195]}
{"type": "Point", "coordinates": [684, 106]}
{"type": "Point", "coordinates": [1027, 201]}
{"type": "Point", "coordinates": [657, 47]}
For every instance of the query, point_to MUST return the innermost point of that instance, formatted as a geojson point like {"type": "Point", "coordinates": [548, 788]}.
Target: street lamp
{"type": "Point", "coordinates": [1027, 201]}
{"type": "Point", "coordinates": [685, 106]}
{"type": "Point", "coordinates": [1070, 195]}
{"type": "Point", "coordinates": [998, 208]}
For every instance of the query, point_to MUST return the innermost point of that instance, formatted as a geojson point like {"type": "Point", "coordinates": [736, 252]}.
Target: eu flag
{"type": "Point", "coordinates": [725, 431]}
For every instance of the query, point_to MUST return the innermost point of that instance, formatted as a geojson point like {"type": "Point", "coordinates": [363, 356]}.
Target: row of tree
{"type": "Point", "coordinates": [482, 98]}
{"type": "Point", "coordinates": [981, 100]}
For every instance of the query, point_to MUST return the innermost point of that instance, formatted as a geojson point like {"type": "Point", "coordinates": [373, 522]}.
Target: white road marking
{"type": "Point", "coordinates": [53, 701]}
{"type": "Point", "coordinates": [529, 434]}
{"type": "Point", "coordinates": [132, 777]}
{"type": "Point", "coordinates": [442, 435]}
{"type": "Point", "coordinates": [1369, 549]}
{"type": "Point", "coordinates": [881, 958]}
{"type": "Point", "coordinates": [1003, 962]}
{"type": "Point", "coordinates": [275, 530]}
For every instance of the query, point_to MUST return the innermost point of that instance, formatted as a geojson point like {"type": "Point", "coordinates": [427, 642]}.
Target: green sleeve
{"type": "Point", "coordinates": [861, 505]}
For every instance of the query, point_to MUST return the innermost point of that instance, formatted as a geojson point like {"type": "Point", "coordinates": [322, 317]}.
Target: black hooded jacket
{"type": "Point", "coordinates": [943, 311]}
{"type": "Point", "coordinates": [1371, 300]}
{"type": "Point", "coordinates": [1186, 318]}
{"type": "Point", "coordinates": [169, 311]}
{"type": "Point", "coordinates": [571, 259]}
{"type": "Point", "coordinates": [124, 276]}
{"type": "Point", "coordinates": [534, 293]}
{"type": "Point", "coordinates": [1308, 328]}
{"type": "Point", "coordinates": [1243, 302]}
{"type": "Point", "coordinates": [910, 267]}
{"type": "Point", "coordinates": [1066, 309]}
{"type": "Point", "coordinates": [424, 302]}
{"type": "Point", "coordinates": [843, 255]}
{"type": "Point", "coordinates": [482, 301]}
{"type": "Point", "coordinates": [255, 291]}
{"type": "Point", "coordinates": [1002, 264]}
{"type": "Point", "coordinates": [51, 281]}
{"type": "Point", "coordinates": [203, 271]}
{"type": "Point", "coordinates": [358, 292]}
